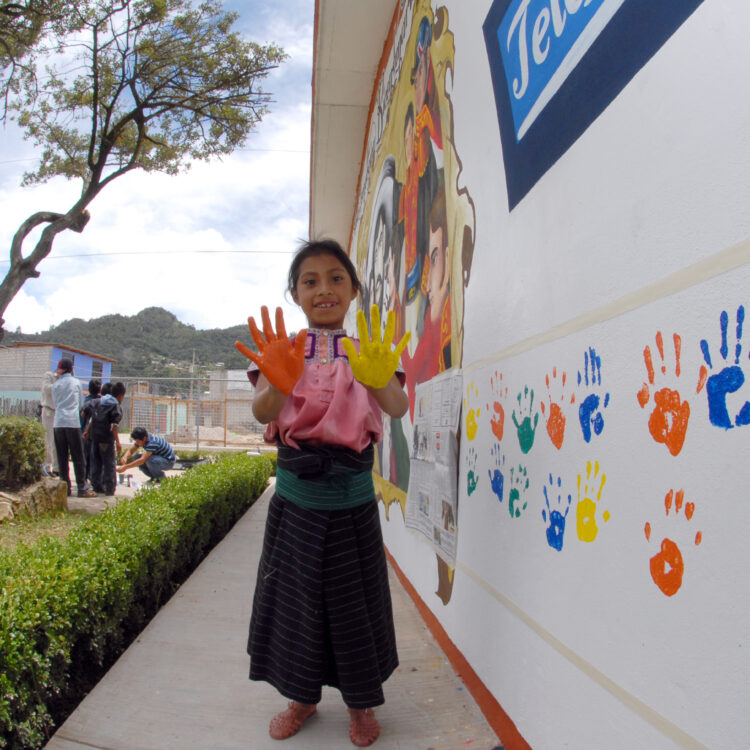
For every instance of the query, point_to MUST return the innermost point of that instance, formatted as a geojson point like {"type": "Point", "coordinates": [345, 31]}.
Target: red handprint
{"type": "Point", "coordinates": [556, 419]}
{"type": "Point", "coordinates": [497, 420]}
{"type": "Point", "coordinates": [667, 566]}
{"type": "Point", "coordinates": [669, 419]}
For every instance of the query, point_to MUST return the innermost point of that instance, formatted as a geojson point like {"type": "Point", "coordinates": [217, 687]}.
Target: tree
{"type": "Point", "coordinates": [155, 85]}
{"type": "Point", "coordinates": [25, 24]}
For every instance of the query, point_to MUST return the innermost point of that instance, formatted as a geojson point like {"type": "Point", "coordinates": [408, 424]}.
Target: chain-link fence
{"type": "Point", "coordinates": [188, 412]}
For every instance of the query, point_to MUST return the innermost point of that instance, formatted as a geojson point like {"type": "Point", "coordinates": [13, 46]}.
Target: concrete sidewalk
{"type": "Point", "coordinates": [182, 684]}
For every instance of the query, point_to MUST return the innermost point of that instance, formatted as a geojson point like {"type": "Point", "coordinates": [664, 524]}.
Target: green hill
{"type": "Point", "coordinates": [153, 342]}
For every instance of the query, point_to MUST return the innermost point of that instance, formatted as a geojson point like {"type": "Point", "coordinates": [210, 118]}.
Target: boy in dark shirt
{"type": "Point", "coordinates": [103, 431]}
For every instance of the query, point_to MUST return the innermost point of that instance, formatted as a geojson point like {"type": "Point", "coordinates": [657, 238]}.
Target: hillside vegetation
{"type": "Point", "coordinates": [153, 342]}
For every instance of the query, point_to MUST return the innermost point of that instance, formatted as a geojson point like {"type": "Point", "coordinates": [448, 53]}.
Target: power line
{"type": "Point", "coordinates": [163, 252]}
{"type": "Point", "coordinates": [265, 150]}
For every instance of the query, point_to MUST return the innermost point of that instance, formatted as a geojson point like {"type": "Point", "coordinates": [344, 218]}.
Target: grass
{"type": "Point", "coordinates": [26, 530]}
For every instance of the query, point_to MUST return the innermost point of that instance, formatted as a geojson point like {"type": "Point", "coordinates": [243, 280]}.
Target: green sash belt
{"type": "Point", "coordinates": [325, 477]}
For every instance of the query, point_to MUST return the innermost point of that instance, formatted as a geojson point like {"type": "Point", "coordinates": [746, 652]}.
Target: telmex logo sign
{"type": "Point", "coordinates": [557, 64]}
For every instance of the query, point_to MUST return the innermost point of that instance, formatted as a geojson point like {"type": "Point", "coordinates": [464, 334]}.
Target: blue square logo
{"type": "Point", "coordinates": [557, 64]}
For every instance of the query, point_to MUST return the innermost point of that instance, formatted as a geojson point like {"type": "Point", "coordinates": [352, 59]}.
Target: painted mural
{"type": "Point", "coordinates": [414, 225]}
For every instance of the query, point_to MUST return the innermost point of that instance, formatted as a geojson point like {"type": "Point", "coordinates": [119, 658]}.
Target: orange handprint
{"type": "Point", "coordinates": [556, 419]}
{"type": "Point", "coordinates": [669, 419]}
{"type": "Point", "coordinates": [281, 363]}
{"type": "Point", "coordinates": [497, 420]}
{"type": "Point", "coordinates": [667, 566]}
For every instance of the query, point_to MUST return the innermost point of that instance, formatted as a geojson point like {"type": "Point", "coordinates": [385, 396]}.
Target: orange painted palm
{"type": "Point", "coordinates": [280, 362]}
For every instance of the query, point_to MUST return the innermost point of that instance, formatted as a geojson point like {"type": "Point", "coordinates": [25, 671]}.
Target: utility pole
{"type": "Point", "coordinates": [198, 409]}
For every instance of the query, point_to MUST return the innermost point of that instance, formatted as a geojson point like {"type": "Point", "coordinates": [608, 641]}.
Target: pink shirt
{"type": "Point", "coordinates": [328, 405]}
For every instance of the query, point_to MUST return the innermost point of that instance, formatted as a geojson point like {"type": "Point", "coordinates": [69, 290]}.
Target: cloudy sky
{"type": "Point", "coordinates": [211, 245]}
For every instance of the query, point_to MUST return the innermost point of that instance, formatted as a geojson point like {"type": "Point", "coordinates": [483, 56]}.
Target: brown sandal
{"type": "Point", "coordinates": [363, 727]}
{"type": "Point", "coordinates": [287, 723]}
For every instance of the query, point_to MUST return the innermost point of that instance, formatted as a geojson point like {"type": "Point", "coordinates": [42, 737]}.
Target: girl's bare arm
{"type": "Point", "coordinates": [392, 399]}
{"type": "Point", "coordinates": [268, 401]}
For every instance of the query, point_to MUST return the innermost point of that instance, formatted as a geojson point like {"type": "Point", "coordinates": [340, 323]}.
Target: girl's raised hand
{"type": "Point", "coordinates": [375, 364]}
{"type": "Point", "coordinates": [280, 362]}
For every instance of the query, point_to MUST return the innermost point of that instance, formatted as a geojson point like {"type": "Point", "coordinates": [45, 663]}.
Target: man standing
{"type": "Point", "coordinates": [103, 432]}
{"type": "Point", "coordinates": [48, 420]}
{"type": "Point", "coordinates": [68, 395]}
{"type": "Point", "coordinates": [157, 456]}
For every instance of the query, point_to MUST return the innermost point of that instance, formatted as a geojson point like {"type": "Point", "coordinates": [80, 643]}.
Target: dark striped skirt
{"type": "Point", "coordinates": [322, 608]}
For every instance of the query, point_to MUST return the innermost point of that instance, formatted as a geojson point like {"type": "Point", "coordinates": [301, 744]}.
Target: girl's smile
{"type": "Point", "coordinates": [324, 291]}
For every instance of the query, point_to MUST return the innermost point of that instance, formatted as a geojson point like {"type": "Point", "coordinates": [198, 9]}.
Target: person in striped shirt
{"type": "Point", "coordinates": [157, 457]}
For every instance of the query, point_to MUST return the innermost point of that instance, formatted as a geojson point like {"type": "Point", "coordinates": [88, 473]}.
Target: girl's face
{"type": "Point", "coordinates": [324, 291]}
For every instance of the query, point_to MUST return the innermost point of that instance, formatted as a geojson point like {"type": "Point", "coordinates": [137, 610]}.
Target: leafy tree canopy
{"type": "Point", "coordinates": [139, 84]}
{"type": "Point", "coordinates": [25, 25]}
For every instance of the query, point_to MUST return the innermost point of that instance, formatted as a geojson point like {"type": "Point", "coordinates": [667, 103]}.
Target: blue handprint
{"type": "Point", "coordinates": [730, 379]}
{"type": "Point", "coordinates": [554, 518]}
{"type": "Point", "coordinates": [589, 413]}
{"type": "Point", "coordinates": [497, 479]}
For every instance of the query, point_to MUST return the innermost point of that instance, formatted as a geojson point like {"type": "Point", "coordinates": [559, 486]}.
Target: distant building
{"type": "Point", "coordinates": [229, 384]}
{"type": "Point", "coordinates": [23, 364]}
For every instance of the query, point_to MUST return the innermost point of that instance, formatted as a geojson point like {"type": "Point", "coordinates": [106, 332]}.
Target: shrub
{"type": "Point", "coordinates": [69, 607]}
{"type": "Point", "coordinates": [188, 455]}
{"type": "Point", "coordinates": [21, 451]}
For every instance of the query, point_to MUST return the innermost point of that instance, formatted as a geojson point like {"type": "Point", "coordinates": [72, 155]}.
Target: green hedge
{"type": "Point", "coordinates": [69, 607]}
{"type": "Point", "coordinates": [21, 451]}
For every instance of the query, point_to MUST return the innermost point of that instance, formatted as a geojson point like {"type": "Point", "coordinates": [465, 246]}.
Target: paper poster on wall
{"type": "Point", "coordinates": [556, 65]}
{"type": "Point", "coordinates": [432, 499]}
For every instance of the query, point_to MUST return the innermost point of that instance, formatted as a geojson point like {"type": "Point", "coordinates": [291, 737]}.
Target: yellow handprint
{"type": "Point", "coordinates": [587, 507]}
{"type": "Point", "coordinates": [375, 363]}
{"type": "Point", "coordinates": [472, 414]}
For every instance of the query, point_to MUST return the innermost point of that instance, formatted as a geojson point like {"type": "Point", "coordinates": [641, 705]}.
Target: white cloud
{"type": "Point", "coordinates": [254, 200]}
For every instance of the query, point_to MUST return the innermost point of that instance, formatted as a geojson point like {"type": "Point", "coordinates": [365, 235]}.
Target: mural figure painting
{"type": "Point", "coordinates": [406, 247]}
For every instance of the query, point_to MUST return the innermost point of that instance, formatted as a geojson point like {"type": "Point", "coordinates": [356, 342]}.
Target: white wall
{"type": "Point", "coordinates": [641, 226]}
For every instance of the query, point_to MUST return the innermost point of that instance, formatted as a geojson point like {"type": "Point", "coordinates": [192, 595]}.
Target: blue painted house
{"type": "Point", "coordinates": [23, 364]}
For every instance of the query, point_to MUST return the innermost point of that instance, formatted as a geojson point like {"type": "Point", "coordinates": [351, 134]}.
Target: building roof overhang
{"type": "Point", "coordinates": [349, 40]}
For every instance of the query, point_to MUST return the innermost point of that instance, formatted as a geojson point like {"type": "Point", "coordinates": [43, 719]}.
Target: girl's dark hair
{"type": "Point", "coordinates": [321, 247]}
{"type": "Point", "coordinates": [95, 387]}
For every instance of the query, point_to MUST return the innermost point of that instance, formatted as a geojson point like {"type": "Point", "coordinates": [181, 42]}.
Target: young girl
{"type": "Point", "coordinates": [322, 608]}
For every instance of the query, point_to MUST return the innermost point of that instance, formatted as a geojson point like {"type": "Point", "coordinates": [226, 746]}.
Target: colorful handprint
{"type": "Point", "coordinates": [472, 478]}
{"type": "Point", "coordinates": [590, 411]}
{"type": "Point", "coordinates": [556, 419]}
{"type": "Point", "coordinates": [667, 565]}
{"type": "Point", "coordinates": [497, 477]}
{"type": "Point", "coordinates": [728, 380]}
{"type": "Point", "coordinates": [519, 483]}
{"type": "Point", "coordinates": [497, 412]}
{"type": "Point", "coordinates": [669, 419]}
{"type": "Point", "coordinates": [589, 497]}
{"type": "Point", "coordinates": [472, 412]}
{"type": "Point", "coordinates": [526, 428]}
{"type": "Point", "coordinates": [555, 518]}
